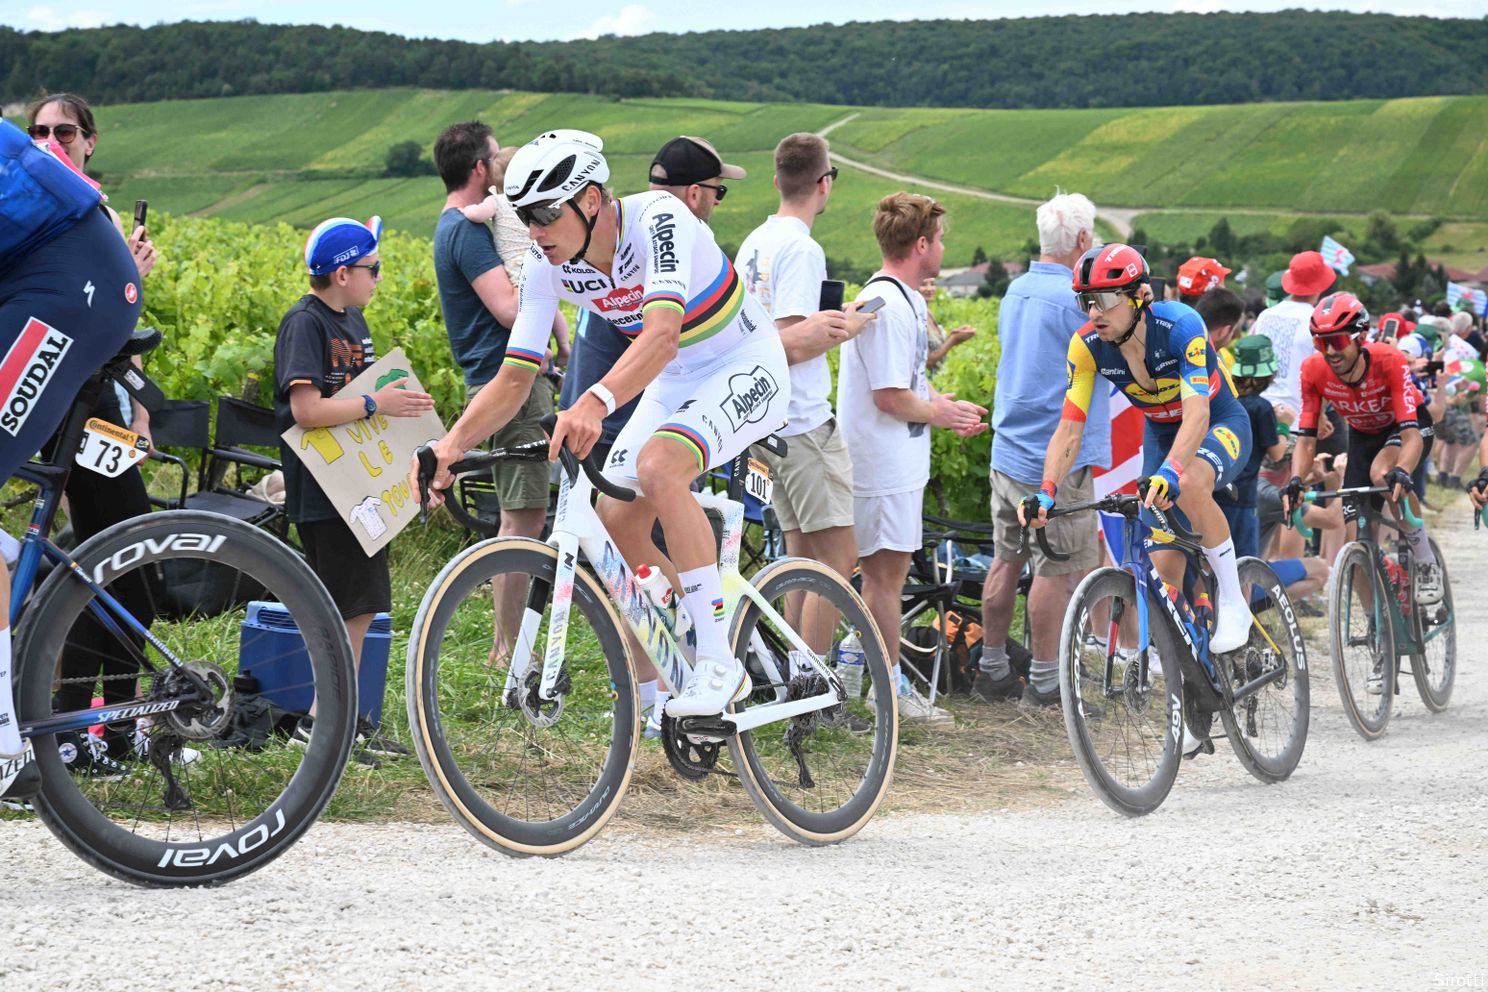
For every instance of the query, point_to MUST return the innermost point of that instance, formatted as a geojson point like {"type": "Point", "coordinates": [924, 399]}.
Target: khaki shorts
{"type": "Point", "coordinates": [813, 482]}
{"type": "Point", "coordinates": [1074, 536]}
{"type": "Point", "coordinates": [889, 523]}
{"type": "Point", "coordinates": [518, 485]}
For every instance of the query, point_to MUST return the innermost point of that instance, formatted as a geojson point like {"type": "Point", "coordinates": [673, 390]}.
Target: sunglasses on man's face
{"type": "Point", "coordinates": [718, 191]}
{"type": "Point", "coordinates": [375, 269]}
{"type": "Point", "coordinates": [540, 214]}
{"type": "Point", "coordinates": [1332, 342]}
{"type": "Point", "coordinates": [829, 174]}
{"type": "Point", "coordinates": [64, 133]}
{"type": "Point", "coordinates": [1100, 299]}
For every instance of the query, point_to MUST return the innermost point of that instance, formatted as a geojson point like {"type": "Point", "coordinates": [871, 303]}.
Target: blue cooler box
{"type": "Point", "coordinates": [273, 652]}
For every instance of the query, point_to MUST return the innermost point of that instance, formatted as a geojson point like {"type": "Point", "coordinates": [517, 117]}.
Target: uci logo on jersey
{"type": "Point", "coordinates": [26, 371]}
{"type": "Point", "coordinates": [749, 395]}
{"type": "Point", "coordinates": [582, 286]}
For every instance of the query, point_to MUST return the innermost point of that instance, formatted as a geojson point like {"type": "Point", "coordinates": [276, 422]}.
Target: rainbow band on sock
{"type": "Point", "coordinates": [694, 442]}
{"type": "Point", "coordinates": [527, 361]}
{"type": "Point", "coordinates": [717, 609]}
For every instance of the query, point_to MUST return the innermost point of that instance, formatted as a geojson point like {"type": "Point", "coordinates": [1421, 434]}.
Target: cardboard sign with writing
{"type": "Point", "coordinates": [363, 465]}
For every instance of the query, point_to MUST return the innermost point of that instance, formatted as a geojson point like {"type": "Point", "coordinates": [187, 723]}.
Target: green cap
{"type": "Point", "coordinates": [1427, 329]}
{"type": "Point", "coordinates": [1274, 293]}
{"type": "Point", "coordinates": [1254, 357]}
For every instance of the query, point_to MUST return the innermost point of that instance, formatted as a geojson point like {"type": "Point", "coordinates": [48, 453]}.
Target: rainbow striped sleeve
{"type": "Point", "coordinates": [664, 298]}
{"type": "Point", "coordinates": [527, 361]}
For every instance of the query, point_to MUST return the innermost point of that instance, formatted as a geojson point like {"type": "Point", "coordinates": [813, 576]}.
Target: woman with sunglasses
{"type": "Point", "coordinates": [1390, 428]}
{"type": "Point", "coordinates": [68, 120]}
{"type": "Point", "coordinates": [1197, 435]}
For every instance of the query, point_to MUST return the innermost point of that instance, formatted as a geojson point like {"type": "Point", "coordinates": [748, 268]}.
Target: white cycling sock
{"type": "Point", "coordinates": [647, 692]}
{"type": "Point", "coordinates": [10, 727]}
{"type": "Point", "coordinates": [1420, 545]}
{"type": "Point", "coordinates": [1221, 559]}
{"type": "Point", "coordinates": [702, 597]}
{"type": "Point", "coordinates": [1044, 675]}
{"type": "Point", "coordinates": [994, 662]}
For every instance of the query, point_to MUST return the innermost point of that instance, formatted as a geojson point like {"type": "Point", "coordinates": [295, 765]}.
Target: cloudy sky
{"type": "Point", "coordinates": [512, 20]}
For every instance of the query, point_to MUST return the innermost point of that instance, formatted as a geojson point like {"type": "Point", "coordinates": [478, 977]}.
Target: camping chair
{"type": "Point", "coordinates": [238, 424]}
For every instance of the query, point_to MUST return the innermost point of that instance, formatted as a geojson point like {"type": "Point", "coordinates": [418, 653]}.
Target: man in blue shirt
{"type": "Point", "coordinates": [479, 305]}
{"type": "Point", "coordinates": [1037, 318]}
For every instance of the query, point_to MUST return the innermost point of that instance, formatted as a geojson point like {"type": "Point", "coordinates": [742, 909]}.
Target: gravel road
{"type": "Point", "coordinates": [1365, 871]}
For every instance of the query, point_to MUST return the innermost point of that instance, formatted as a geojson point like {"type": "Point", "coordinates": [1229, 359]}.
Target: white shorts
{"type": "Point", "coordinates": [715, 412]}
{"type": "Point", "coordinates": [889, 523]}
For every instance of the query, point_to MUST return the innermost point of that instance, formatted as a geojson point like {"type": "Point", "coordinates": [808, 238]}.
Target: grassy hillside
{"type": "Point", "coordinates": [300, 158]}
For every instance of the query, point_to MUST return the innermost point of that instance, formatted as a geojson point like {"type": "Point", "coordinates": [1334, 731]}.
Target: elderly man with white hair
{"type": "Point", "coordinates": [1038, 317]}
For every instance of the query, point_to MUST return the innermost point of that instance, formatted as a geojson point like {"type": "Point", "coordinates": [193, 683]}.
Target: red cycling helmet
{"type": "Point", "coordinates": [1113, 266]}
{"type": "Point", "coordinates": [1340, 313]}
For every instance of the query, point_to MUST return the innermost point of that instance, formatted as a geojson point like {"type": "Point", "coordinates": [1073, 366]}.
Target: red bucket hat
{"type": "Point", "coordinates": [1307, 274]}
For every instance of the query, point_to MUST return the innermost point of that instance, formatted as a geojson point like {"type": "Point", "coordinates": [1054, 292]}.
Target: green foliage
{"type": "Point", "coordinates": [221, 288]}
{"type": "Point", "coordinates": [1025, 62]}
{"type": "Point", "coordinates": [996, 281]}
{"type": "Point", "coordinates": [405, 160]}
{"type": "Point", "coordinates": [959, 466]}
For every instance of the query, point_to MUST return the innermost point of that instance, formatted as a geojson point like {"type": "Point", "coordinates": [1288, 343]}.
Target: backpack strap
{"type": "Point", "coordinates": [897, 285]}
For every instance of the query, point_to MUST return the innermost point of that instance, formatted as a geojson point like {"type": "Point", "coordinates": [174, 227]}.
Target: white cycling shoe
{"type": "Point", "coordinates": [713, 685]}
{"type": "Point", "coordinates": [1232, 629]}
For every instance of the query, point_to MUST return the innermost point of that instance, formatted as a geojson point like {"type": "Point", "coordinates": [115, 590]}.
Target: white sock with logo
{"type": "Point", "coordinates": [702, 597]}
{"type": "Point", "coordinates": [10, 727]}
{"type": "Point", "coordinates": [647, 692]}
{"type": "Point", "coordinates": [1420, 545]}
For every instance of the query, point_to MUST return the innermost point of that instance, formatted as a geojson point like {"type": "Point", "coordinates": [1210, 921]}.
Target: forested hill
{"type": "Point", "coordinates": [1107, 61]}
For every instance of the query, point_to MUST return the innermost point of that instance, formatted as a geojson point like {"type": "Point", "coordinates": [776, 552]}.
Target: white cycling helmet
{"type": "Point", "coordinates": [554, 166]}
{"type": "Point", "coordinates": [548, 171]}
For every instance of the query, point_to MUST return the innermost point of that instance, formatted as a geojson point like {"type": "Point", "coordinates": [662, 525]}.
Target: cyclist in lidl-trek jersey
{"type": "Point", "coordinates": [706, 361]}
{"type": "Point", "coordinates": [1197, 435]}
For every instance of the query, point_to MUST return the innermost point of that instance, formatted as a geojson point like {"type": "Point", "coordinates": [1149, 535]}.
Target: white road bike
{"type": "Point", "coordinates": [522, 692]}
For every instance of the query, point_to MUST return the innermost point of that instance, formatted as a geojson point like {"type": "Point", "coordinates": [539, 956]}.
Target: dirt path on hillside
{"type": "Point", "coordinates": [1363, 871]}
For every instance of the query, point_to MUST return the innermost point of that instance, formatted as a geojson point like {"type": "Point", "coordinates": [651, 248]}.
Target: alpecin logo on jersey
{"type": "Point", "coordinates": [26, 370]}
{"type": "Point", "coordinates": [621, 298]}
{"type": "Point", "coordinates": [749, 395]}
{"type": "Point", "coordinates": [663, 245]}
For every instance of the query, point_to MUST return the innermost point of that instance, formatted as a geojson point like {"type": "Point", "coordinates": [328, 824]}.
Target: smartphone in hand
{"type": "Point", "coordinates": [872, 306]}
{"type": "Point", "coordinates": [141, 210]}
{"type": "Point", "coordinates": [832, 291]}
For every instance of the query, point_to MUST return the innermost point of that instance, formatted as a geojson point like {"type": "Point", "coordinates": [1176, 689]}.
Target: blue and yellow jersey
{"type": "Point", "coordinates": [1180, 362]}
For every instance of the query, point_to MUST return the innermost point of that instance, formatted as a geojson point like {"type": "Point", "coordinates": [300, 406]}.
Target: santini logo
{"type": "Point", "coordinates": [749, 395]}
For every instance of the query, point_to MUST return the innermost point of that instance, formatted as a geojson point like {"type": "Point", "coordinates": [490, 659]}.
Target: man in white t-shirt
{"type": "Point", "coordinates": [1287, 326]}
{"type": "Point", "coordinates": [887, 408]}
{"type": "Point", "coordinates": [784, 268]}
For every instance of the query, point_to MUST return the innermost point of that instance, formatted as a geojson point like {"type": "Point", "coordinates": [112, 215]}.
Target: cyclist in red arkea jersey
{"type": "Point", "coordinates": [1389, 427]}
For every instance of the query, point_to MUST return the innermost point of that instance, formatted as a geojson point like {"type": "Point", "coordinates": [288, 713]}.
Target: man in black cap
{"type": "Point", "coordinates": [691, 170]}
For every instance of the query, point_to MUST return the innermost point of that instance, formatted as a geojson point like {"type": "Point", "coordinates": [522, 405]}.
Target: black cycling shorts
{"type": "Point", "coordinates": [65, 309]}
{"type": "Point", "coordinates": [1362, 450]}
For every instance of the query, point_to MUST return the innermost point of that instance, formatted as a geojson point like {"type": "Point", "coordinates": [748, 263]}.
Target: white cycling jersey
{"type": "Point", "coordinates": [664, 257]}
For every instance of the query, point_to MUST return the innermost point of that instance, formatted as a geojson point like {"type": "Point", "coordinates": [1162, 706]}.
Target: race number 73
{"type": "Point", "coordinates": [110, 450]}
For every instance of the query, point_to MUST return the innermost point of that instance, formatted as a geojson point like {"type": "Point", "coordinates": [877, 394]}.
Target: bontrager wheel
{"type": "Point", "coordinates": [211, 789]}
{"type": "Point", "coordinates": [1126, 732]}
{"type": "Point", "coordinates": [1362, 637]}
{"type": "Point", "coordinates": [829, 786]}
{"type": "Point", "coordinates": [525, 775]}
{"type": "Point", "coordinates": [1267, 727]}
{"type": "Point", "coordinates": [1435, 666]}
